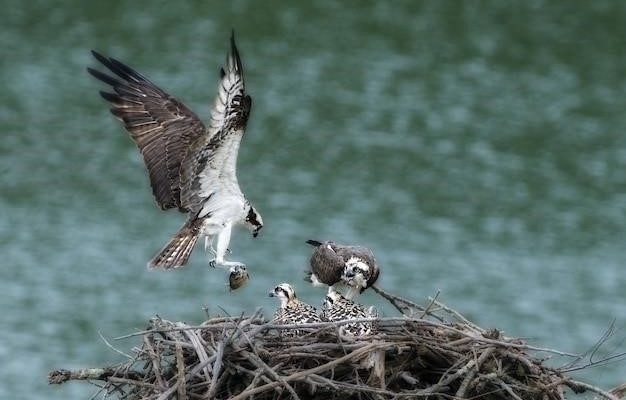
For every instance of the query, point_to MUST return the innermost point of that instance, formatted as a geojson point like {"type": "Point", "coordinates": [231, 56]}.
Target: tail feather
{"type": "Point", "coordinates": [177, 251]}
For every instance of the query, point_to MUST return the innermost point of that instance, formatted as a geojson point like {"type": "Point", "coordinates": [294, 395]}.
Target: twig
{"type": "Point", "coordinates": [59, 376]}
{"type": "Point", "coordinates": [256, 360]}
{"type": "Point", "coordinates": [154, 360]}
{"type": "Point", "coordinates": [254, 357]}
{"type": "Point", "coordinates": [118, 351]}
{"type": "Point", "coordinates": [180, 366]}
{"type": "Point", "coordinates": [134, 382]}
{"type": "Point", "coordinates": [508, 389]}
{"type": "Point", "coordinates": [217, 366]}
{"type": "Point", "coordinates": [619, 391]}
{"type": "Point", "coordinates": [460, 372]}
{"type": "Point", "coordinates": [298, 375]}
{"type": "Point", "coordinates": [458, 316]}
{"type": "Point", "coordinates": [401, 304]}
{"type": "Point", "coordinates": [579, 387]}
{"type": "Point", "coordinates": [194, 338]}
{"type": "Point", "coordinates": [432, 301]}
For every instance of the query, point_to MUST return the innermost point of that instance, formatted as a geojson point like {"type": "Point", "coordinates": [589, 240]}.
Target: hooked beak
{"type": "Point", "coordinates": [271, 294]}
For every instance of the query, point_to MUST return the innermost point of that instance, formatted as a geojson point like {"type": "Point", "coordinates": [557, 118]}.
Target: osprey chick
{"type": "Point", "coordinates": [338, 308]}
{"type": "Point", "coordinates": [292, 310]}
{"type": "Point", "coordinates": [191, 167]}
{"type": "Point", "coordinates": [353, 266]}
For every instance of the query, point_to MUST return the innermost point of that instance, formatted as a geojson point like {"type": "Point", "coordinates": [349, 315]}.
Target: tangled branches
{"type": "Point", "coordinates": [429, 352]}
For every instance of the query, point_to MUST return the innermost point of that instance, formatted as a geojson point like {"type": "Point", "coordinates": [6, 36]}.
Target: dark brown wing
{"type": "Point", "coordinates": [347, 252]}
{"type": "Point", "coordinates": [325, 263]}
{"type": "Point", "coordinates": [161, 126]}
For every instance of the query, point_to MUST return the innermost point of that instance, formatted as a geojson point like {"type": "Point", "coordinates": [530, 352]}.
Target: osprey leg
{"type": "Point", "coordinates": [223, 239]}
{"type": "Point", "coordinates": [208, 244]}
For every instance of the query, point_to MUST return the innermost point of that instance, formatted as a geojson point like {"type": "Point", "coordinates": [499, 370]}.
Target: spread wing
{"type": "Point", "coordinates": [211, 163]}
{"type": "Point", "coordinates": [161, 126]}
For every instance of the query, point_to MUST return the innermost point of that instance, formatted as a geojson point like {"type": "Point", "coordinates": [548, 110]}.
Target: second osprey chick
{"type": "Point", "coordinates": [353, 266]}
{"type": "Point", "coordinates": [337, 308]}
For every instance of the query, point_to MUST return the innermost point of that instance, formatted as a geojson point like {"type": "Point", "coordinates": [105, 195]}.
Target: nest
{"type": "Point", "coordinates": [429, 352]}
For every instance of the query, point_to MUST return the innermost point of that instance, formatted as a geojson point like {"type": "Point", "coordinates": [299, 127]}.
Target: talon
{"type": "Point", "coordinates": [229, 251]}
{"type": "Point", "coordinates": [212, 264]}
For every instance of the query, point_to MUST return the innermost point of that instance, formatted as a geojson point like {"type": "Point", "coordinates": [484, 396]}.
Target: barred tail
{"type": "Point", "coordinates": [177, 251]}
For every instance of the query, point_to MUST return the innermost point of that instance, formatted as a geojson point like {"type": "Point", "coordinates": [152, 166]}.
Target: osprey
{"type": "Point", "coordinates": [292, 310]}
{"type": "Point", "coordinates": [338, 308]}
{"type": "Point", "coordinates": [192, 167]}
{"type": "Point", "coordinates": [353, 266]}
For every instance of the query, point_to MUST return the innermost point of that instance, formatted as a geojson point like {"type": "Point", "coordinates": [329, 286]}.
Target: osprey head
{"type": "Point", "coordinates": [253, 220]}
{"type": "Point", "coordinates": [357, 274]}
{"type": "Point", "coordinates": [284, 292]}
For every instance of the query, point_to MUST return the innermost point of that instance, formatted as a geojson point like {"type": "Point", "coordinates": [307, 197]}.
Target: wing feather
{"type": "Point", "coordinates": [161, 126]}
{"type": "Point", "coordinates": [326, 264]}
{"type": "Point", "coordinates": [211, 161]}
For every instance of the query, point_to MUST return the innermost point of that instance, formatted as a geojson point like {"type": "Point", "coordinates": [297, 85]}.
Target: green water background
{"type": "Point", "coordinates": [478, 148]}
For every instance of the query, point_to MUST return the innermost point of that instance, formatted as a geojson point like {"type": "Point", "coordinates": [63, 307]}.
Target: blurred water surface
{"type": "Point", "coordinates": [479, 148]}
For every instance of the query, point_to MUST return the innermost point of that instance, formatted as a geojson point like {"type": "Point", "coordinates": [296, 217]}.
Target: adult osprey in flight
{"type": "Point", "coordinates": [192, 167]}
{"type": "Point", "coordinates": [353, 266]}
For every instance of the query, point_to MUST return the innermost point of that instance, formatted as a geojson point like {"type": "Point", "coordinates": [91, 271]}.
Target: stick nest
{"type": "Point", "coordinates": [429, 352]}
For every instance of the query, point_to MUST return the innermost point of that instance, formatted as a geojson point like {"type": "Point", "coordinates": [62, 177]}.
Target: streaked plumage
{"type": "Point", "coordinates": [292, 310]}
{"type": "Point", "coordinates": [353, 266]}
{"type": "Point", "coordinates": [338, 308]}
{"type": "Point", "coordinates": [191, 167]}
